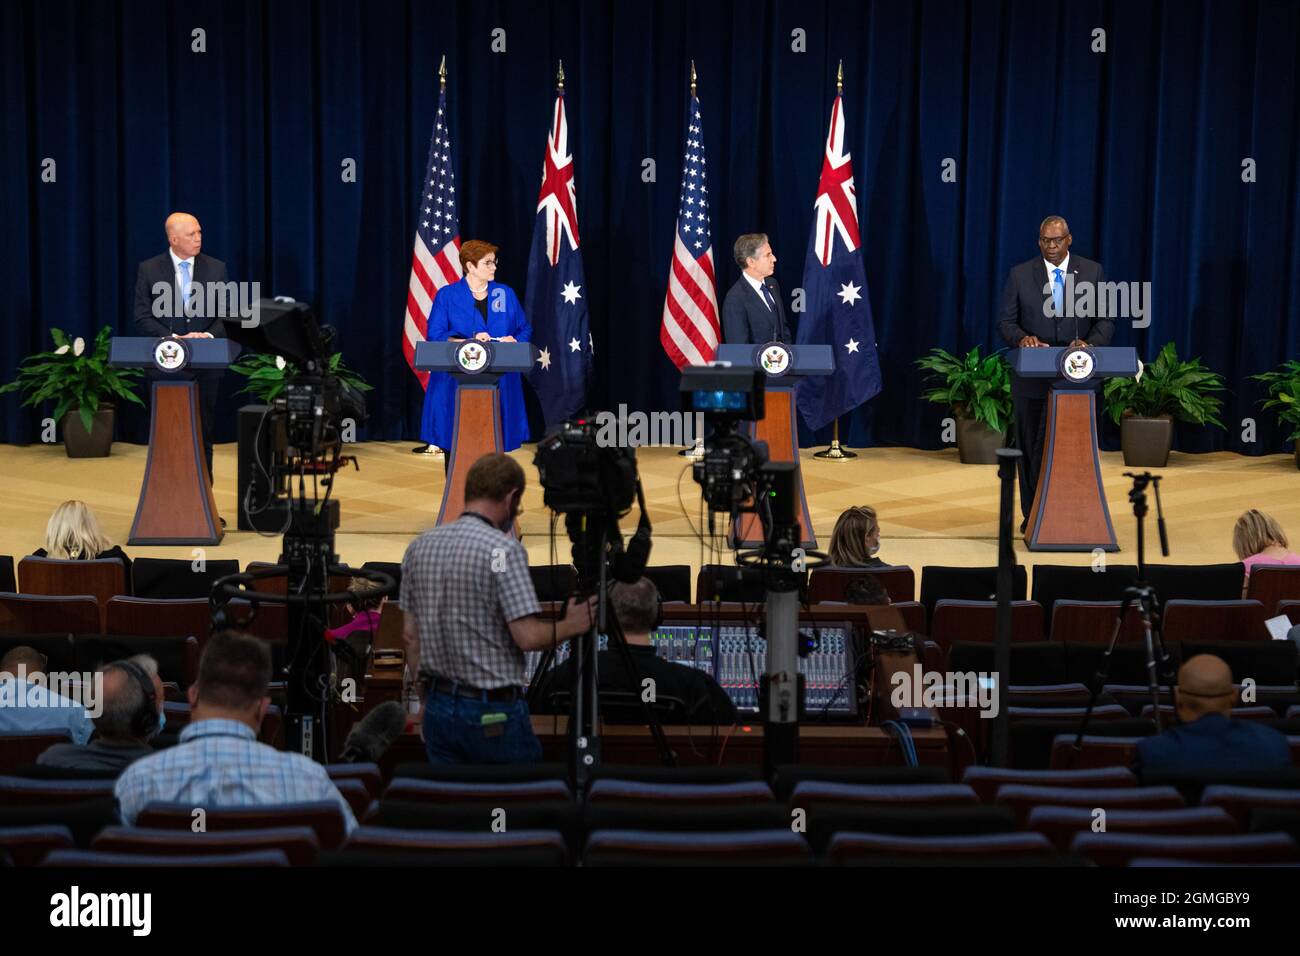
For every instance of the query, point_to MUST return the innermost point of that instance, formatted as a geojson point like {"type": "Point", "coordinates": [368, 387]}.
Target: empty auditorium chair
{"type": "Point", "coordinates": [367, 773]}
{"type": "Point", "coordinates": [27, 846]}
{"type": "Point", "coordinates": [177, 657]}
{"type": "Point", "coordinates": [298, 843]}
{"type": "Point", "coordinates": [789, 776]}
{"type": "Point", "coordinates": [724, 582]}
{"type": "Point", "coordinates": [1066, 695]}
{"type": "Point", "coordinates": [82, 858]}
{"type": "Point", "coordinates": [1093, 622]}
{"type": "Point", "coordinates": [177, 578]}
{"type": "Point", "coordinates": [1068, 582]}
{"type": "Point", "coordinates": [976, 621]}
{"type": "Point", "coordinates": [1032, 741]}
{"type": "Point", "coordinates": [847, 848]}
{"type": "Point", "coordinates": [1095, 751]}
{"type": "Point", "coordinates": [8, 580]}
{"type": "Point", "coordinates": [554, 582]}
{"type": "Point", "coordinates": [564, 816]}
{"type": "Point", "coordinates": [1127, 665]}
{"type": "Point", "coordinates": [940, 583]}
{"type": "Point", "coordinates": [1267, 663]}
{"type": "Point", "coordinates": [1117, 849]}
{"type": "Point", "coordinates": [673, 581]}
{"type": "Point", "coordinates": [1186, 620]}
{"type": "Point", "coordinates": [323, 817]}
{"type": "Point", "coordinates": [832, 583]}
{"type": "Point", "coordinates": [810, 792]}
{"type": "Point", "coordinates": [46, 614]}
{"type": "Point", "coordinates": [1061, 824]}
{"type": "Point", "coordinates": [459, 791]}
{"type": "Point", "coordinates": [21, 791]}
{"type": "Point", "coordinates": [1100, 713]}
{"type": "Point", "coordinates": [21, 748]}
{"type": "Point", "coordinates": [656, 773]}
{"type": "Point", "coordinates": [1022, 798]}
{"type": "Point", "coordinates": [733, 848]}
{"type": "Point", "coordinates": [610, 815]}
{"type": "Point", "coordinates": [1197, 582]}
{"type": "Point", "coordinates": [1135, 697]}
{"type": "Point", "coordinates": [1040, 663]}
{"type": "Point", "coordinates": [160, 618]}
{"type": "Point", "coordinates": [1241, 802]}
{"type": "Point", "coordinates": [1268, 584]}
{"type": "Point", "coordinates": [608, 790]}
{"type": "Point", "coordinates": [986, 780]}
{"type": "Point", "coordinates": [482, 773]}
{"type": "Point", "coordinates": [383, 845]}
{"type": "Point", "coordinates": [354, 791]}
{"type": "Point", "coordinates": [1168, 717]}
{"type": "Point", "coordinates": [101, 578]}
{"type": "Point", "coordinates": [1290, 608]}
{"type": "Point", "coordinates": [824, 820]}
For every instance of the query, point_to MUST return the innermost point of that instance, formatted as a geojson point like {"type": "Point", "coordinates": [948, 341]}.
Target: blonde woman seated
{"type": "Point", "coordinates": [1259, 539]}
{"type": "Point", "coordinates": [73, 534]}
{"type": "Point", "coordinates": [855, 542]}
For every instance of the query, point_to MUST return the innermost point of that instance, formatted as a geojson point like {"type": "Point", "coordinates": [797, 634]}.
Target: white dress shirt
{"type": "Point", "coordinates": [758, 287]}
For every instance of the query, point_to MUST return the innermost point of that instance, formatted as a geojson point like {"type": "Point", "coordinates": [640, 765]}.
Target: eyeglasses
{"type": "Point", "coordinates": [1053, 240]}
{"type": "Point", "coordinates": [488, 263]}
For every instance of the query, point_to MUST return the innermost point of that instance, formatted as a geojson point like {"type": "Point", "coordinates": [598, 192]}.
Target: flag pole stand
{"type": "Point", "coordinates": [836, 452]}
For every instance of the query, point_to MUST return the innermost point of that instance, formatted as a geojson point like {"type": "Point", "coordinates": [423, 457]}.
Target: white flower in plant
{"type": "Point", "coordinates": [279, 362]}
{"type": "Point", "coordinates": [1138, 376]}
{"type": "Point", "coordinates": [62, 350]}
{"type": "Point", "coordinates": [78, 345]}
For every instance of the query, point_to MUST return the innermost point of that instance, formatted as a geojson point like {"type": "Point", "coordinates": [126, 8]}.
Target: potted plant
{"type": "Point", "coordinates": [1145, 407]}
{"type": "Point", "coordinates": [978, 390]}
{"type": "Point", "coordinates": [1283, 385]}
{"type": "Point", "coordinates": [267, 374]}
{"type": "Point", "coordinates": [79, 382]}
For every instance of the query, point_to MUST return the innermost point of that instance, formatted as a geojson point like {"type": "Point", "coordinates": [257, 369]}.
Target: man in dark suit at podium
{"type": "Point", "coordinates": [1038, 312]}
{"type": "Point", "coordinates": [173, 297]}
{"type": "Point", "coordinates": [752, 313]}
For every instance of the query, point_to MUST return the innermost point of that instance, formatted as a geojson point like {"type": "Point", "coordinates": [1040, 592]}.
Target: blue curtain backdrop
{"type": "Point", "coordinates": [1140, 147]}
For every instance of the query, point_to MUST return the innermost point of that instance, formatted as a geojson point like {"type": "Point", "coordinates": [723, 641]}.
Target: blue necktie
{"type": "Point", "coordinates": [767, 297]}
{"type": "Point", "coordinates": [1058, 294]}
{"type": "Point", "coordinates": [185, 287]}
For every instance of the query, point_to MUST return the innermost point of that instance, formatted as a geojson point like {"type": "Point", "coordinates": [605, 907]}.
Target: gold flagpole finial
{"type": "Point", "coordinates": [559, 77]}
{"type": "Point", "coordinates": [839, 78]}
{"type": "Point", "coordinates": [442, 73]}
{"type": "Point", "coordinates": [692, 77]}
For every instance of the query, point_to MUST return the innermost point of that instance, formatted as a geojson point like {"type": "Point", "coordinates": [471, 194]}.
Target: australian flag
{"type": "Point", "coordinates": [556, 297]}
{"type": "Point", "coordinates": [837, 309]}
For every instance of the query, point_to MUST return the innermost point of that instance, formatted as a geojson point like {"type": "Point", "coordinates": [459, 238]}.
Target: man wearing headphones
{"type": "Point", "coordinates": [639, 610]}
{"type": "Point", "coordinates": [132, 715]}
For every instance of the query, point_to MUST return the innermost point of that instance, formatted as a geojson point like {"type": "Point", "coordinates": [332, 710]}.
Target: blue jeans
{"type": "Point", "coordinates": [454, 731]}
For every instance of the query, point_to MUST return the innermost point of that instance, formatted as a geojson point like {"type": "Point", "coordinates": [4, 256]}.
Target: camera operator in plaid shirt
{"type": "Point", "coordinates": [470, 607]}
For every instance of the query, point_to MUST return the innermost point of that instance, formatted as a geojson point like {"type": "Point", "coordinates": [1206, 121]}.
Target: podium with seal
{"type": "Point", "coordinates": [783, 365]}
{"type": "Point", "coordinates": [176, 505]}
{"type": "Point", "coordinates": [477, 368]}
{"type": "Point", "coordinates": [1070, 511]}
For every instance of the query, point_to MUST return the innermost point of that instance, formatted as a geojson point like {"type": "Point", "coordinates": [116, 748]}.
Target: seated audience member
{"type": "Point", "coordinates": [866, 590]}
{"type": "Point", "coordinates": [131, 715]}
{"type": "Point", "coordinates": [636, 607]}
{"type": "Point", "coordinates": [27, 703]}
{"type": "Point", "coordinates": [352, 641]}
{"type": "Point", "coordinates": [1259, 539]}
{"type": "Point", "coordinates": [1208, 740]}
{"type": "Point", "coordinates": [855, 541]}
{"type": "Point", "coordinates": [73, 534]}
{"type": "Point", "coordinates": [219, 762]}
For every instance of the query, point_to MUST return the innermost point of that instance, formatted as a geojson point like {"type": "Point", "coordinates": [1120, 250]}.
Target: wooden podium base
{"type": "Point", "coordinates": [477, 431]}
{"type": "Point", "coordinates": [176, 505]}
{"type": "Point", "coordinates": [779, 428]}
{"type": "Point", "coordinates": [1069, 511]}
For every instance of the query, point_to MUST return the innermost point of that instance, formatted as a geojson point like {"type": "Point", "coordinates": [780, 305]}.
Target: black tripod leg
{"type": "Point", "coordinates": [1103, 672]}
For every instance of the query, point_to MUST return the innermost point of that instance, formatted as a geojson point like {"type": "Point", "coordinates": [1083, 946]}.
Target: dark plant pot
{"type": "Point", "coordinates": [977, 443]}
{"type": "Point", "coordinates": [1146, 441]}
{"type": "Point", "coordinates": [98, 443]}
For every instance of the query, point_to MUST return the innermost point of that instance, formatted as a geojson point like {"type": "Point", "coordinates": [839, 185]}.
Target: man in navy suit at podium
{"type": "Point", "coordinates": [182, 309]}
{"type": "Point", "coordinates": [1038, 312]}
{"type": "Point", "coordinates": [752, 313]}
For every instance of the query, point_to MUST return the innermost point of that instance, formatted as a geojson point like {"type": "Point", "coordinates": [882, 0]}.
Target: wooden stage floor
{"type": "Point", "coordinates": [933, 510]}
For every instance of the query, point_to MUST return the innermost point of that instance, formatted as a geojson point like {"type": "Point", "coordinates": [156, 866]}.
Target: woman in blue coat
{"type": "Point", "coordinates": [476, 307]}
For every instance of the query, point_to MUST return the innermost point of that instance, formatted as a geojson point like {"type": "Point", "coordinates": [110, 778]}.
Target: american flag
{"type": "Point", "coordinates": [837, 307]}
{"type": "Point", "coordinates": [556, 297]}
{"type": "Point", "coordinates": [690, 329]}
{"type": "Point", "coordinates": [436, 260]}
